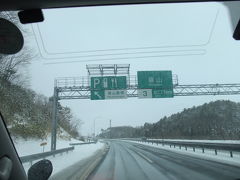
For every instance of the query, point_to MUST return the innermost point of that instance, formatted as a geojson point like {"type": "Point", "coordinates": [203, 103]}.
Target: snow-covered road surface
{"type": "Point", "coordinates": [222, 156]}
{"type": "Point", "coordinates": [130, 161]}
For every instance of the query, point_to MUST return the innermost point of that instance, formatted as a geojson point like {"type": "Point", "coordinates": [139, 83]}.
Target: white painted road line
{"type": "Point", "coordinates": [144, 157]}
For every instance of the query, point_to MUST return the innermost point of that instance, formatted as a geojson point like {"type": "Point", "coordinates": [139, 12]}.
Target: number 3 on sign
{"type": "Point", "coordinates": [144, 93]}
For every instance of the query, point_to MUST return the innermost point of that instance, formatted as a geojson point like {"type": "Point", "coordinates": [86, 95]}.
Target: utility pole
{"type": "Point", "coordinates": [110, 128]}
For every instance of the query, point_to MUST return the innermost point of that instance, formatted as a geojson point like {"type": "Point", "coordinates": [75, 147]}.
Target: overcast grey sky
{"type": "Point", "coordinates": [197, 38]}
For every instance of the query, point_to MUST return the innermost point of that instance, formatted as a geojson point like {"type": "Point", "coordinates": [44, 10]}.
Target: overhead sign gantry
{"type": "Point", "coordinates": [113, 81]}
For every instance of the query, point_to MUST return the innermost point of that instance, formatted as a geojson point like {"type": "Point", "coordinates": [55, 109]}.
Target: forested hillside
{"type": "Point", "coordinates": [120, 131]}
{"type": "Point", "coordinates": [215, 120]}
{"type": "Point", "coordinates": [27, 113]}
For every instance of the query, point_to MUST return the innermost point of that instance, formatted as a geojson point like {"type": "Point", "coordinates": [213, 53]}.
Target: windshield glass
{"type": "Point", "coordinates": [153, 86]}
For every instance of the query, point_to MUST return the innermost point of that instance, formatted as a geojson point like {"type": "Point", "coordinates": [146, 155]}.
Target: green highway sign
{"type": "Point", "coordinates": [159, 93]}
{"type": "Point", "coordinates": [97, 95]}
{"type": "Point", "coordinates": [108, 87]}
{"type": "Point", "coordinates": [154, 79]}
{"type": "Point", "coordinates": [155, 84]}
{"type": "Point", "coordinates": [108, 82]}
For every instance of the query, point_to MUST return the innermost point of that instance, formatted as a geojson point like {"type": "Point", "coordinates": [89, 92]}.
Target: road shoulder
{"type": "Point", "coordinates": [82, 169]}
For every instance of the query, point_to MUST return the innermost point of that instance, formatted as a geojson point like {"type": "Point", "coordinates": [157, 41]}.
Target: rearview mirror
{"type": "Point", "coordinates": [41, 170]}
{"type": "Point", "coordinates": [11, 38]}
{"type": "Point", "coordinates": [31, 16]}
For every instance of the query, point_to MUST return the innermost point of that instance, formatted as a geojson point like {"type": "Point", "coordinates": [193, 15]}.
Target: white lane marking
{"type": "Point", "coordinates": [144, 157]}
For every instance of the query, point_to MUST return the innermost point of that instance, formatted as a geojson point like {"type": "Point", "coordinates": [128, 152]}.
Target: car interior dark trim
{"type": "Point", "coordinates": [8, 150]}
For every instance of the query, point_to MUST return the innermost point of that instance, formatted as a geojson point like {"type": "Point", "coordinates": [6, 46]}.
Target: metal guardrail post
{"type": "Point", "coordinates": [231, 154]}
{"type": "Point", "coordinates": [202, 145]}
{"type": "Point", "coordinates": [33, 157]}
{"type": "Point", "coordinates": [74, 144]}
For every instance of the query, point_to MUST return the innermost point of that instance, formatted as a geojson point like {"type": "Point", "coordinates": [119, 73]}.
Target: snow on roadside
{"type": "Point", "coordinates": [204, 141]}
{"type": "Point", "coordinates": [60, 161]}
{"type": "Point", "coordinates": [32, 146]}
{"type": "Point", "coordinates": [209, 154]}
{"type": "Point", "coordinates": [65, 160]}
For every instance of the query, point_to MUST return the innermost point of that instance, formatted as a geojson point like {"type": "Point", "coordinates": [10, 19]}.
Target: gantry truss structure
{"type": "Point", "coordinates": [108, 69]}
{"type": "Point", "coordinates": [79, 88]}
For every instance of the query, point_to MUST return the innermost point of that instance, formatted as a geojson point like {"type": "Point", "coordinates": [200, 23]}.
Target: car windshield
{"type": "Point", "coordinates": [148, 91]}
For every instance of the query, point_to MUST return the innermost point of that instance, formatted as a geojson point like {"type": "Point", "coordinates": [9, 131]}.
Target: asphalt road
{"type": "Point", "coordinates": [131, 161]}
{"type": "Point", "coordinates": [80, 169]}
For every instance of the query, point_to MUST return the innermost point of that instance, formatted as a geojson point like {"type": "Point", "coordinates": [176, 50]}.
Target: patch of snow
{"type": "Point", "coordinates": [32, 146]}
{"type": "Point", "coordinates": [60, 161]}
{"type": "Point", "coordinates": [62, 134]}
{"type": "Point", "coordinates": [65, 160]}
{"type": "Point", "coordinates": [205, 141]}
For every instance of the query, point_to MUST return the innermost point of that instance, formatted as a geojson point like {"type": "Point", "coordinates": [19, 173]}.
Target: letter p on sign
{"type": "Point", "coordinates": [96, 82]}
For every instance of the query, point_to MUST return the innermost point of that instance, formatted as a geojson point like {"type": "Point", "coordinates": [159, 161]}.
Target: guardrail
{"type": "Point", "coordinates": [33, 157]}
{"type": "Point", "coordinates": [202, 145]}
{"type": "Point", "coordinates": [73, 144]}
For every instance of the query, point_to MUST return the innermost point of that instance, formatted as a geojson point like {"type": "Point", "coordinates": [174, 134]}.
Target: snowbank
{"type": "Point", "coordinates": [206, 141]}
{"type": "Point", "coordinates": [65, 160]}
{"type": "Point", "coordinates": [60, 161]}
{"type": "Point", "coordinates": [32, 146]}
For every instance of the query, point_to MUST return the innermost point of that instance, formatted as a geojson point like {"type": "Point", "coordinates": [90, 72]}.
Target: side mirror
{"type": "Point", "coordinates": [41, 170]}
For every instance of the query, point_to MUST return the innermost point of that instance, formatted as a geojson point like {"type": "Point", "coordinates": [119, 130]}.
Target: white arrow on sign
{"type": "Point", "coordinates": [98, 95]}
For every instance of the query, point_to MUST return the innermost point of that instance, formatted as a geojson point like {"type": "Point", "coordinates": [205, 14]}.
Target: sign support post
{"type": "Point", "coordinates": [54, 120]}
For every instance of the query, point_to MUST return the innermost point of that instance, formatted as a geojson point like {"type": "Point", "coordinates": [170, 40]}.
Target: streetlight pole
{"type": "Point", "coordinates": [110, 127]}
{"type": "Point", "coordinates": [94, 125]}
{"type": "Point", "coordinates": [94, 128]}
